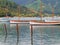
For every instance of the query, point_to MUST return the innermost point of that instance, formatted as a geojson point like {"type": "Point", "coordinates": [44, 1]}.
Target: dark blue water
{"type": "Point", "coordinates": [45, 35]}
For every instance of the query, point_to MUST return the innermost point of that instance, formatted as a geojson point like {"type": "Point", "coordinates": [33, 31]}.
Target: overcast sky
{"type": "Point", "coordinates": [22, 2]}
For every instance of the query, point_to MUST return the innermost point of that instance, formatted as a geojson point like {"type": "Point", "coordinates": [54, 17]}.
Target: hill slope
{"type": "Point", "coordinates": [46, 6]}
{"type": "Point", "coordinates": [13, 9]}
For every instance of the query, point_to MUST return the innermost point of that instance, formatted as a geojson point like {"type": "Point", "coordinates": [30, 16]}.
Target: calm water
{"type": "Point", "coordinates": [41, 35]}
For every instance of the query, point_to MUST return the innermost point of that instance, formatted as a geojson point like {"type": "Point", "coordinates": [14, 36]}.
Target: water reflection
{"type": "Point", "coordinates": [17, 29]}
{"type": "Point", "coordinates": [48, 35]}
{"type": "Point", "coordinates": [41, 35]}
{"type": "Point", "coordinates": [5, 28]}
{"type": "Point", "coordinates": [31, 28]}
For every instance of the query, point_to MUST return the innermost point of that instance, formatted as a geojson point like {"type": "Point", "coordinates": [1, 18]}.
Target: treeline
{"type": "Point", "coordinates": [7, 8]}
{"type": "Point", "coordinates": [12, 9]}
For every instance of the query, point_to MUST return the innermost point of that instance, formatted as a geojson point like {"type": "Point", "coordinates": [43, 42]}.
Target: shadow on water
{"type": "Point", "coordinates": [36, 35]}
{"type": "Point", "coordinates": [6, 33]}
{"type": "Point", "coordinates": [17, 29]}
{"type": "Point", "coordinates": [31, 28]}
{"type": "Point", "coordinates": [5, 28]}
{"type": "Point", "coordinates": [57, 25]}
{"type": "Point", "coordinates": [17, 39]}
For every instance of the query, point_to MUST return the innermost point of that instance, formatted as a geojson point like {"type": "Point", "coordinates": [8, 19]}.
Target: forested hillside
{"type": "Point", "coordinates": [12, 9]}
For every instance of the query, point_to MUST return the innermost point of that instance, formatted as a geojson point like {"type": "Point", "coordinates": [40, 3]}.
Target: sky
{"type": "Point", "coordinates": [54, 3]}
{"type": "Point", "coordinates": [23, 2]}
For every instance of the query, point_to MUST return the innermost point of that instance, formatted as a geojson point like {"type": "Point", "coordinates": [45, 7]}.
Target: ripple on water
{"type": "Point", "coordinates": [41, 35]}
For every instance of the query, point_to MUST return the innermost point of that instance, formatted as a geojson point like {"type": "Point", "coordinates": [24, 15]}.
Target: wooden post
{"type": "Point", "coordinates": [6, 9]}
{"type": "Point", "coordinates": [52, 11]}
{"type": "Point", "coordinates": [31, 28]}
{"type": "Point", "coordinates": [17, 34]}
{"type": "Point", "coordinates": [5, 32]}
{"type": "Point", "coordinates": [41, 10]}
{"type": "Point", "coordinates": [18, 10]}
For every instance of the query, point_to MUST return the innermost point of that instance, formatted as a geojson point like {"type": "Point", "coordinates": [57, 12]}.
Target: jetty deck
{"type": "Point", "coordinates": [31, 20]}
